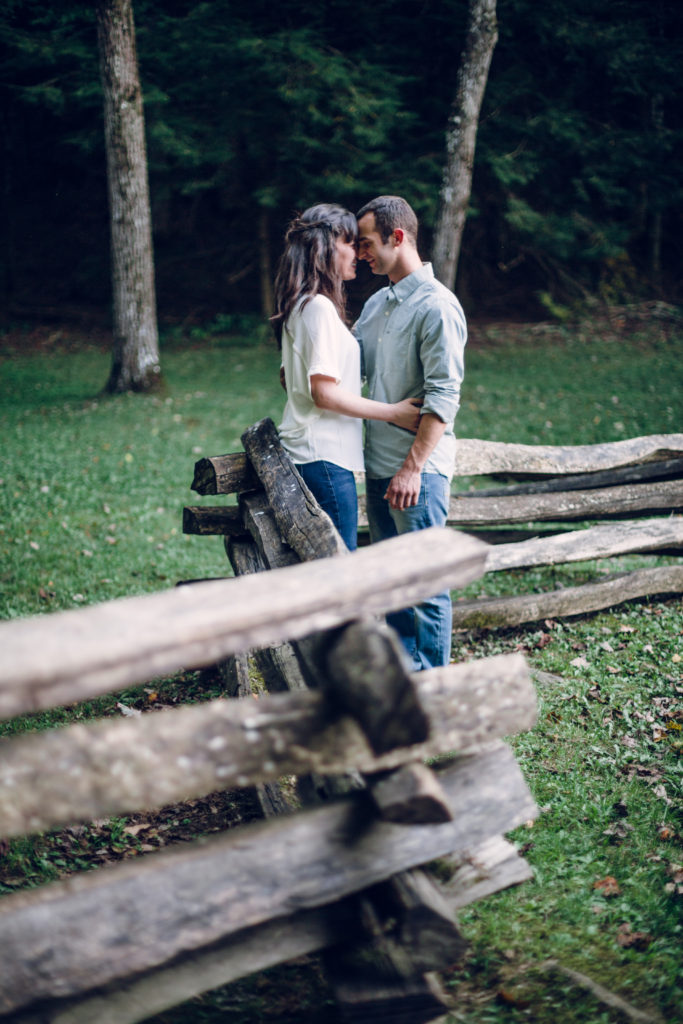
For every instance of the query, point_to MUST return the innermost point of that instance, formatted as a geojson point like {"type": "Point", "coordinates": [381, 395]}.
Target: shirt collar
{"type": "Point", "coordinates": [407, 285]}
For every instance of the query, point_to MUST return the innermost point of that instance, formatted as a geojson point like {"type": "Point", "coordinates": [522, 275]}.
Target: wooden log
{"type": "Point", "coordinates": [302, 523]}
{"type": "Point", "coordinates": [372, 984]}
{"type": "Point", "coordinates": [271, 799]}
{"type": "Point", "coordinates": [476, 457]}
{"type": "Point", "coordinates": [49, 660]}
{"type": "Point", "coordinates": [60, 940]}
{"type": "Point", "coordinates": [411, 793]}
{"type": "Point", "coordinates": [234, 672]}
{"type": "Point", "coordinates": [494, 612]}
{"type": "Point", "coordinates": [659, 470]}
{"type": "Point", "coordinates": [278, 665]}
{"type": "Point", "coordinates": [412, 931]}
{"type": "Point", "coordinates": [516, 534]}
{"type": "Point", "coordinates": [365, 673]}
{"type": "Point", "coordinates": [602, 995]}
{"type": "Point", "coordinates": [283, 666]}
{"type": "Point", "coordinates": [259, 519]}
{"type": "Point", "coordinates": [143, 995]}
{"type": "Point", "coordinates": [118, 766]}
{"type": "Point", "coordinates": [213, 520]}
{"type": "Point", "coordinates": [665, 496]}
{"type": "Point", "coordinates": [421, 918]}
{"type": "Point", "coordinates": [472, 875]}
{"type": "Point", "coordinates": [224, 474]}
{"type": "Point", "coordinates": [585, 545]}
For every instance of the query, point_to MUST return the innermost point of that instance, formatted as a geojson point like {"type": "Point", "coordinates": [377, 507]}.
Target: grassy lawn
{"type": "Point", "coordinates": [91, 496]}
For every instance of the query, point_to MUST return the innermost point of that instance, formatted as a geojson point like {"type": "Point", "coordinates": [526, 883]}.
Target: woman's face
{"type": "Point", "coordinates": [346, 258]}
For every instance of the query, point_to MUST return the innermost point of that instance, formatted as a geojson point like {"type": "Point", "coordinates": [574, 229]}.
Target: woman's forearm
{"type": "Point", "coordinates": [327, 394]}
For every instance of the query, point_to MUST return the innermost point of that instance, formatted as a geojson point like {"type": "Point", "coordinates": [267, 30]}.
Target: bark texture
{"type": "Point", "coordinates": [135, 364]}
{"type": "Point", "coordinates": [461, 137]}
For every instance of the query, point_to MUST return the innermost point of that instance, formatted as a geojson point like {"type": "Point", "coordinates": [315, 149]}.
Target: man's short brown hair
{"type": "Point", "coordinates": [391, 212]}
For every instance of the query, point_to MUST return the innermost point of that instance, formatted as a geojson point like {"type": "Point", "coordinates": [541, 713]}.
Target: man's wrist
{"type": "Point", "coordinates": [412, 464]}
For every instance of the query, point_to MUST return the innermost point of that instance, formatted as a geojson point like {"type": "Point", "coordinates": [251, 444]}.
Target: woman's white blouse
{"type": "Point", "coordinates": [315, 341]}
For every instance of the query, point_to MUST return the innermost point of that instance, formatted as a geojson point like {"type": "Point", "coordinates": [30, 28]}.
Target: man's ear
{"type": "Point", "coordinates": [399, 235]}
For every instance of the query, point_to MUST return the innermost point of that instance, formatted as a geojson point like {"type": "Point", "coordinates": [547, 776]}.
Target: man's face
{"type": "Point", "coordinates": [381, 256]}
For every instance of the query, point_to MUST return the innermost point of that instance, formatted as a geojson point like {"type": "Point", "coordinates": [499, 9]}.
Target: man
{"type": "Point", "coordinates": [412, 334]}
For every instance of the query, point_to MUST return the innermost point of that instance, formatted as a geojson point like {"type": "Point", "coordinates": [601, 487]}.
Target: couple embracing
{"type": "Point", "coordinates": [408, 343]}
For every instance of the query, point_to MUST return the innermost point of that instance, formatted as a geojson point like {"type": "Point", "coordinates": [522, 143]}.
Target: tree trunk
{"type": "Point", "coordinates": [135, 365]}
{"type": "Point", "coordinates": [461, 135]}
{"type": "Point", "coordinates": [265, 267]}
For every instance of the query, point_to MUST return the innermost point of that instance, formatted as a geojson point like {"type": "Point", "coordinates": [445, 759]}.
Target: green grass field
{"type": "Point", "coordinates": [91, 496]}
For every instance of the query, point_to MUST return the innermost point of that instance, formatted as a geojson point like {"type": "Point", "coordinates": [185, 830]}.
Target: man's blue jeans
{"type": "Point", "coordinates": [425, 630]}
{"type": "Point", "coordinates": [334, 489]}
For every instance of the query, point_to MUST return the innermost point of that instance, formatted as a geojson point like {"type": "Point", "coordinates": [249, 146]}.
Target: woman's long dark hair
{"type": "Point", "coordinates": [308, 265]}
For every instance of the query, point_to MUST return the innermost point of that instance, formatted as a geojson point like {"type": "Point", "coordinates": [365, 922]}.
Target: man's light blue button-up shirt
{"type": "Point", "coordinates": [412, 335]}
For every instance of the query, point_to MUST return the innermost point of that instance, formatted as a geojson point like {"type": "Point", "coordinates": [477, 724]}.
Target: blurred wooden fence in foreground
{"type": "Point", "coordinates": [347, 866]}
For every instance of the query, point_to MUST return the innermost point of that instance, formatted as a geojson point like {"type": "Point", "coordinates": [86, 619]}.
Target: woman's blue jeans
{"type": "Point", "coordinates": [334, 489]}
{"type": "Point", "coordinates": [425, 630]}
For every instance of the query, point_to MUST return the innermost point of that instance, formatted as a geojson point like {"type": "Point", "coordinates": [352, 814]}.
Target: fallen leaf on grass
{"type": "Point", "coordinates": [676, 872]}
{"type": "Point", "coordinates": [510, 998]}
{"type": "Point", "coordinates": [132, 830]}
{"type": "Point", "coordinates": [579, 662]}
{"type": "Point", "coordinates": [125, 710]}
{"type": "Point", "coordinates": [618, 831]}
{"type": "Point", "coordinates": [628, 939]}
{"type": "Point", "coordinates": [543, 640]}
{"type": "Point", "coordinates": [608, 886]}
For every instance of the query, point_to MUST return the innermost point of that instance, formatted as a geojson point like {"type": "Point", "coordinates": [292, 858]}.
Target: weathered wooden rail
{"type": "Point", "coordinates": [635, 486]}
{"type": "Point", "coordinates": [343, 873]}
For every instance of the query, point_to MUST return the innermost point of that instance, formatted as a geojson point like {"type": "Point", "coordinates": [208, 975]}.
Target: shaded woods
{"type": "Point", "coordinates": [254, 111]}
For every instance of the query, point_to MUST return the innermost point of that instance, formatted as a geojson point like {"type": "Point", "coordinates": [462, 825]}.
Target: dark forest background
{"type": "Point", "coordinates": [257, 109]}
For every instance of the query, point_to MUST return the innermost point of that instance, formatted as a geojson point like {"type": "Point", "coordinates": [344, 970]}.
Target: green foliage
{"type": "Point", "coordinates": [273, 107]}
{"type": "Point", "coordinates": [582, 142]}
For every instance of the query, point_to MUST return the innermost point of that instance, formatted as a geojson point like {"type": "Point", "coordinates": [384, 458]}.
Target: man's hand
{"type": "Point", "coordinates": [404, 489]}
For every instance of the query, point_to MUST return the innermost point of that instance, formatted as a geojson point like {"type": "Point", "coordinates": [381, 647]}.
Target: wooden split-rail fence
{"type": "Point", "coordinates": [404, 786]}
{"type": "Point", "coordinates": [566, 505]}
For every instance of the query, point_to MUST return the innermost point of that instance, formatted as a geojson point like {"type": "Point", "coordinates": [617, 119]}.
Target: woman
{"type": "Point", "coordinates": [322, 425]}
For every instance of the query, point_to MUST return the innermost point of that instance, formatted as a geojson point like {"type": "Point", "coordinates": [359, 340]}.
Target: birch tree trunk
{"type": "Point", "coordinates": [135, 364]}
{"type": "Point", "coordinates": [461, 136]}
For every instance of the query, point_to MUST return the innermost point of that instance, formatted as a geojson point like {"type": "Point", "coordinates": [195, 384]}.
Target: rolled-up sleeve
{"type": "Point", "coordinates": [443, 335]}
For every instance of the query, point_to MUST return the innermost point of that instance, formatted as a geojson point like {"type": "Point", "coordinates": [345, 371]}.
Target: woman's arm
{"type": "Point", "coordinates": [327, 394]}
